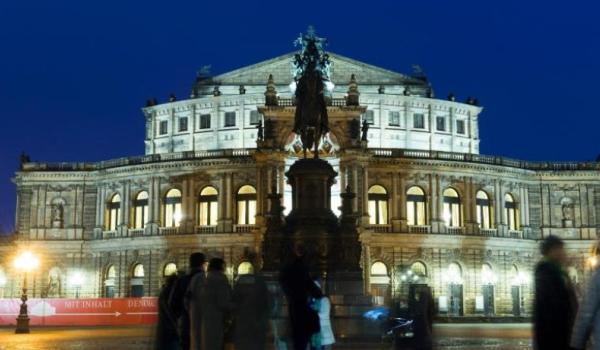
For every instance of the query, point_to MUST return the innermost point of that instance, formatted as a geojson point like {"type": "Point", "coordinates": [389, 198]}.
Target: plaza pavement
{"type": "Point", "coordinates": [448, 336]}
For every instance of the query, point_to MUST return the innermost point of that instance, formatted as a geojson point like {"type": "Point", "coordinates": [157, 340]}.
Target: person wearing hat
{"type": "Point", "coordinates": [555, 304]}
{"type": "Point", "coordinates": [587, 321]}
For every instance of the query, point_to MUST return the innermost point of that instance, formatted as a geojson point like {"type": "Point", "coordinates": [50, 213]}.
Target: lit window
{"type": "Point", "coordinates": [369, 116]}
{"type": "Point", "coordinates": [163, 127]}
{"type": "Point", "coordinates": [440, 123]}
{"type": "Point", "coordinates": [138, 271]}
{"type": "Point", "coordinates": [140, 210]}
{"type": "Point", "coordinates": [173, 208]}
{"type": "Point", "coordinates": [114, 212]}
{"type": "Point", "coordinates": [229, 119]}
{"type": "Point", "coordinates": [170, 269]}
{"type": "Point", "coordinates": [246, 205]}
{"type": "Point", "coordinates": [379, 269]}
{"type": "Point", "coordinates": [452, 208]}
{"type": "Point", "coordinates": [183, 124]}
{"type": "Point", "coordinates": [484, 210]}
{"type": "Point", "coordinates": [394, 118]}
{"type": "Point", "coordinates": [415, 206]}
{"type": "Point", "coordinates": [254, 117]}
{"type": "Point", "coordinates": [511, 212]}
{"type": "Point", "coordinates": [419, 121]}
{"type": "Point", "coordinates": [245, 268]}
{"type": "Point", "coordinates": [205, 121]}
{"type": "Point", "coordinates": [418, 269]}
{"type": "Point", "coordinates": [460, 127]}
{"type": "Point", "coordinates": [111, 273]}
{"type": "Point", "coordinates": [488, 277]}
{"type": "Point", "coordinates": [207, 206]}
{"type": "Point", "coordinates": [454, 274]}
{"type": "Point", "coordinates": [378, 205]}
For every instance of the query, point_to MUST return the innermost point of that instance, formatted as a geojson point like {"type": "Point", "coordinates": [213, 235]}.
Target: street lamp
{"type": "Point", "coordinates": [25, 262]}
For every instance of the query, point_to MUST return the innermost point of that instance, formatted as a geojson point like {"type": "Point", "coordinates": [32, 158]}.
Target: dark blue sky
{"type": "Point", "coordinates": [74, 74]}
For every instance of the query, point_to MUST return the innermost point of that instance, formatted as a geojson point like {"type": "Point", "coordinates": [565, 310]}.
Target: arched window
{"type": "Point", "coordinates": [378, 205]}
{"type": "Point", "coordinates": [484, 210]}
{"type": "Point", "coordinates": [137, 281]}
{"type": "Point", "coordinates": [246, 205]}
{"type": "Point", "coordinates": [415, 206]}
{"type": "Point", "coordinates": [245, 268]}
{"type": "Point", "coordinates": [170, 269]}
{"type": "Point", "coordinates": [173, 208]}
{"type": "Point", "coordinates": [140, 210]}
{"type": "Point", "coordinates": [454, 274]}
{"type": "Point", "coordinates": [207, 206]}
{"type": "Point", "coordinates": [418, 269]}
{"type": "Point", "coordinates": [110, 278]}
{"type": "Point", "coordinates": [113, 209]}
{"type": "Point", "coordinates": [488, 277]}
{"type": "Point", "coordinates": [511, 212]}
{"type": "Point", "coordinates": [379, 269]}
{"type": "Point", "coordinates": [452, 208]}
{"type": "Point", "coordinates": [138, 271]}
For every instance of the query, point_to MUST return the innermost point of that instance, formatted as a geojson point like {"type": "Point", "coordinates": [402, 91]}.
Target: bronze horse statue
{"type": "Point", "coordinates": [311, 120]}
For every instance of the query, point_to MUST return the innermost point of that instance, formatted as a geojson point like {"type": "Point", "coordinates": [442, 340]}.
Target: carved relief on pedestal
{"type": "Point", "coordinates": [57, 213]}
{"type": "Point", "coordinates": [567, 211]}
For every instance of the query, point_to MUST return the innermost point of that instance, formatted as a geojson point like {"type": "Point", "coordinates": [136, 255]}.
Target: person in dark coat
{"type": "Point", "coordinates": [215, 307]}
{"type": "Point", "coordinates": [166, 328]}
{"type": "Point", "coordinates": [299, 289]}
{"type": "Point", "coordinates": [251, 309]}
{"type": "Point", "coordinates": [179, 295]}
{"type": "Point", "coordinates": [421, 311]}
{"type": "Point", "coordinates": [555, 304]}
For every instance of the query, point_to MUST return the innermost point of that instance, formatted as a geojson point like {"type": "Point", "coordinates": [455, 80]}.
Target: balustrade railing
{"type": "Point", "coordinates": [454, 230]}
{"type": "Point", "coordinates": [137, 232]}
{"type": "Point", "coordinates": [243, 228]}
{"type": "Point", "coordinates": [380, 228]}
{"type": "Point", "coordinates": [488, 232]}
{"type": "Point", "coordinates": [168, 231]}
{"type": "Point", "coordinates": [419, 229]}
{"type": "Point", "coordinates": [206, 229]}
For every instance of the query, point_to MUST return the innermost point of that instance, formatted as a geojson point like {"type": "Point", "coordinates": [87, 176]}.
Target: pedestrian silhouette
{"type": "Point", "coordinates": [555, 304]}
{"type": "Point", "coordinates": [421, 311]}
{"type": "Point", "coordinates": [178, 300]}
{"type": "Point", "coordinates": [324, 339]}
{"type": "Point", "coordinates": [251, 312]}
{"type": "Point", "coordinates": [586, 322]}
{"type": "Point", "coordinates": [167, 337]}
{"type": "Point", "coordinates": [215, 307]}
{"type": "Point", "coordinates": [299, 289]}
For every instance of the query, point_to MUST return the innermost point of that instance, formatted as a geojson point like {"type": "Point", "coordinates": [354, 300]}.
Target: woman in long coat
{"type": "Point", "coordinates": [215, 305]}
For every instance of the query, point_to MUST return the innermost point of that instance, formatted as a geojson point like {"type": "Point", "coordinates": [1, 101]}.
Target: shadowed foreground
{"type": "Point", "coordinates": [449, 336]}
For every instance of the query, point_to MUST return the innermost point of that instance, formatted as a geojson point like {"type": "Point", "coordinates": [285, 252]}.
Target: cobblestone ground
{"type": "Point", "coordinates": [456, 337]}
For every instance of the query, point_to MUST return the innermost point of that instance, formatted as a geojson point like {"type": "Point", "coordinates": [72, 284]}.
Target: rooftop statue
{"type": "Point", "coordinates": [311, 73]}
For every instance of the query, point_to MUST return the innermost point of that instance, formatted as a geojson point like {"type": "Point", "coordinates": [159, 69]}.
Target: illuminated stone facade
{"type": "Point", "coordinates": [428, 204]}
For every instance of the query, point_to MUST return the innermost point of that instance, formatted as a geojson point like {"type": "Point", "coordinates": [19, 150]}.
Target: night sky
{"type": "Point", "coordinates": [74, 74]}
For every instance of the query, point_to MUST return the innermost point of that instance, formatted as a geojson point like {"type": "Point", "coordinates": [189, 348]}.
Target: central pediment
{"type": "Point", "coordinates": [341, 69]}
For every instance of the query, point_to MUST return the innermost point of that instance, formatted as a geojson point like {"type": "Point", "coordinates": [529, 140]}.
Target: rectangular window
{"type": "Point", "coordinates": [163, 127]}
{"type": "Point", "coordinates": [369, 116]}
{"type": "Point", "coordinates": [205, 121]}
{"type": "Point", "coordinates": [229, 119]}
{"type": "Point", "coordinates": [460, 127]}
{"type": "Point", "coordinates": [183, 124]}
{"type": "Point", "coordinates": [440, 123]}
{"type": "Point", "coordinates": [419, 121]}
{"type": "Point", "coordinates": [394, 118]}
{"type": "Point", "coordinates": [254, 117]}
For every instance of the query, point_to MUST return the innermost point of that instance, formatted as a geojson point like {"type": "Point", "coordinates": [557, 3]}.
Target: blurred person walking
{"type": "Point", "coordinates": [180, 296]}
{"type": "Point", "coordinates": [421, 311]}
{"type": "Point", "coordinates": [167, 337]}
{"type": "Point", "coordinates": [299, 289]}
{"type": "Point", "coordinates": [587, 322]}
{"type": "Point", "coordinates": [324, 339]}
{"type": "Point", "coordinates": [251, 309]}
{"type": "Point", "coordinates": [555, 304]}
{"type": "Point", "coordinates": [215, 306]}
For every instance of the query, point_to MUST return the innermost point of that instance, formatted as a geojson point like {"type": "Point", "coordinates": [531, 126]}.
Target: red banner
{"type": "Point", "coordinates": [82, 312]}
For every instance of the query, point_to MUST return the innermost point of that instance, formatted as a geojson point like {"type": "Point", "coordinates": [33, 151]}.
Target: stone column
{"type": "Point", "coordinates": [499, 206]}
{"type": "Point", "coordinates": [394, 211]}
{"type": "Point", "coordinates": [401, 179]}
{"type": "Point", "coordinates": [187, 206]}
{"type": "Point", "coordinates": [154, 204]}
{"type": "Point", "coordinates": [228, 224]}
{"type": "Point", "coordinates": [260, 196]}
{"type": "Point", "coordinates": [437, 205]}
{"type": "Point", "coordinates": [122, 229]}
{"type": "Point", "coordinates": [471, 226]}
{"type": "Point", "coordinates": [365, 196]}
{"type": "Point", "coordinates": [222, 203]}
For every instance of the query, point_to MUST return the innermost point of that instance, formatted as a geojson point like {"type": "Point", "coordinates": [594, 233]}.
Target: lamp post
{"type": "Point", "coordinates": [25, 262]}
